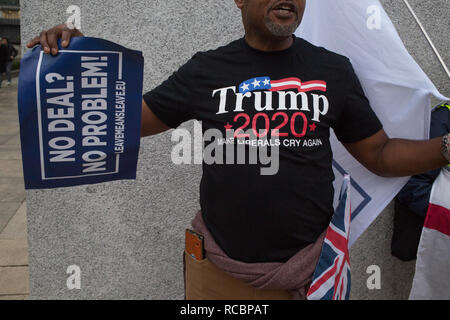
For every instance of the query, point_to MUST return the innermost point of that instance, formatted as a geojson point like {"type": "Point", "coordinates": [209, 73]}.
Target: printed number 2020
{"type": "Point", "coordinates": [276, 132]}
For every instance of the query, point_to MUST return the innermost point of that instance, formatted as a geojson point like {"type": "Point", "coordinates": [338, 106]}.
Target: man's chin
{"type": "Point", "coordinates": [281, 30]}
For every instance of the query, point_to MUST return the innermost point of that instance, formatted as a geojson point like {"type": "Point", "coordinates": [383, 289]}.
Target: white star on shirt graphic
{"type": "Point", "coordinates": [244, 87]}
{"type": "Point", "coordinates": [255, 83]}
{"type": "Point", "coordinates": [266, 82]}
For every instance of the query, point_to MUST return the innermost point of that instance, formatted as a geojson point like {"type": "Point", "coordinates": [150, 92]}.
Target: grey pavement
{"type": "Point", "coordinates": [14, 274]}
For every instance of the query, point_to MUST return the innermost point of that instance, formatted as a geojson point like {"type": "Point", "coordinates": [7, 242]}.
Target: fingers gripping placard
{"type": "Point", "coordinates": [80, 114]}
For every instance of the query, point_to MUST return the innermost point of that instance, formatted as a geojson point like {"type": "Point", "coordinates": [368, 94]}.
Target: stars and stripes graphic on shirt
{"type": "Point", "coordinates": [331, 280]}
{"type": "Point", "coordinates": [265, 83]}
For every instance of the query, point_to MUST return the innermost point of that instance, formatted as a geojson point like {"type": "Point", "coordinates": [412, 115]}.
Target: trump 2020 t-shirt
{"type": "Point", "coordinates": [301, 92]}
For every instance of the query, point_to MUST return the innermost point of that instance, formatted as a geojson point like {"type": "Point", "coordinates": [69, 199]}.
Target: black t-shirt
{"type": "Point", "coordinates": [301, 91]}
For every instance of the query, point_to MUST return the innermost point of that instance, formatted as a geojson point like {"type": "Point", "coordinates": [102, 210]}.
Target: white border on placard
{"type": "Point", "coordinates": [38, 100]}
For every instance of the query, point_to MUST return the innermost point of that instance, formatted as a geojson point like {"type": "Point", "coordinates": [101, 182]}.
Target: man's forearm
{"type": "Point", "coordinates": [400, 157]}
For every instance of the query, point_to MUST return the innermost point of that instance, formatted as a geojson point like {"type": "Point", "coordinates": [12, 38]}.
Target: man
{"type": "Point", "coordinates": [259, 220]}
{"type": "Point", "coordinates": [10, 53]}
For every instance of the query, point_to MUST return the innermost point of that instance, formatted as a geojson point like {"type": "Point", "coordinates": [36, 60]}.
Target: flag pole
{"type": "Point", "coordinates": [428, 38]}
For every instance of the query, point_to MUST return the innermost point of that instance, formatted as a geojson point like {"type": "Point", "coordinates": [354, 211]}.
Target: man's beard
{"type": "Point", "coordinates": [281, 30]}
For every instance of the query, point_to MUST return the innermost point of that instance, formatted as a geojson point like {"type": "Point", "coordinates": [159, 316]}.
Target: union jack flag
{"type": "Point", "coordinates": [265, 83]}
{"type": "Point", "coordinates": [331, 280]}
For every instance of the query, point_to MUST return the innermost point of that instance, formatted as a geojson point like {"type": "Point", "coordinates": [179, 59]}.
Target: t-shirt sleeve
{"type": "Point", "coordinates": [173, 101]}
{"type": "Point", "coordinates": [357, 119]}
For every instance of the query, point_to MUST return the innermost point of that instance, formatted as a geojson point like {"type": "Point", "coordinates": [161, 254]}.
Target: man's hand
{"type": "Point", "coordinates": [397, 157]}
{"type": "Point", "coordinates": [49, 39]}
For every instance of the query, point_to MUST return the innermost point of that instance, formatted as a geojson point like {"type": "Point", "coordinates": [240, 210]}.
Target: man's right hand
{"type": "Point", "coordinates": [49, 39]}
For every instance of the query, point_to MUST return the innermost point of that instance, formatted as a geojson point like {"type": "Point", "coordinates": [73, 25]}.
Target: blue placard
{"type": "Point", "coordinates": [80, 114]}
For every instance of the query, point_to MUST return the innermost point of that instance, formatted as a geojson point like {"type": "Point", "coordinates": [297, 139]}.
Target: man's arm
{"type": "Point", "coordinates": [150, 123]}
{"type": "Point", "coordinates": [397, 157]}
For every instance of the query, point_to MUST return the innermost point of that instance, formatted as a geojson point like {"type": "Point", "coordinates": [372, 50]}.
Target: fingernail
{"type": "Point", "coordinates": [47, 49]}
{"type": "Point", "coordinates": [64, 43]}
{"type": "Point", "coordinates": [54, 51]}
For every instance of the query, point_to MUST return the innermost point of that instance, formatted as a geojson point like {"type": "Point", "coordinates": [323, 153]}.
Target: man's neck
{"type": "Point", "coordinates": [269, 44]}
